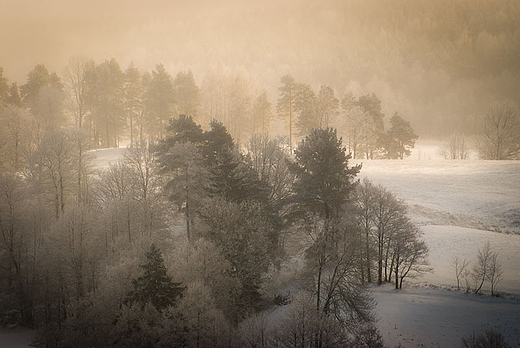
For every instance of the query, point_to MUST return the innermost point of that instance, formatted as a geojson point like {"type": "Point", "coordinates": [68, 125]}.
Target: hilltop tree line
{"type": "Point", "coordinates": [185, 240]}
{"type": "Point", "coordinates": [111, 104]}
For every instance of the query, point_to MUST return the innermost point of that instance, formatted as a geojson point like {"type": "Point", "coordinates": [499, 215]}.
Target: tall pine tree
{"type": "Point", "coordinates": [154, 286]}
{"type": "Point", "coordinates": [323, 178]}
{"type": "Point", "coordinates": [286, 102]}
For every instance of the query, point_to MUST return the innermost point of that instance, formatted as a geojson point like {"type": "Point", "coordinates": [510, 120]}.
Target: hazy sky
{"type": "Point", "coordinates": [438, 63]}
{"type": "Point", "coordinates": [148, 33]}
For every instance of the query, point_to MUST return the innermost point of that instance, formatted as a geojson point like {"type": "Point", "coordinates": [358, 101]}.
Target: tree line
{"type": "Point", "coordinates": [112, 104]}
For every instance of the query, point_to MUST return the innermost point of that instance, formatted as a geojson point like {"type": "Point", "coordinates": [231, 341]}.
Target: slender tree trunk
{"type": "Point", "coordinates": [187, 208]}
{"type": "Point", "coordinates": [131, 129]}
{"type": "Point", "coordinates": [290, 121]}
{"type": "Point", "coordinates": [107, 141]}
{"type": "Point", "coordinates": [367, 241]}
{"type": "Point", "coordinates": [128, 223]}
{"type": "Point", "coordinates": [397, 270]}
{"type": "Point", "coordinates": [80, 171]}
{"type": "Point", "coordinates": [380, 259]}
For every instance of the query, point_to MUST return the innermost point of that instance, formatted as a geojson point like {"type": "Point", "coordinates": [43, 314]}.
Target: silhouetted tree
{"type": "Point", "coordinates": [306, 107]}
{"type": "Point", "coordinates": [262, 114]}
{"type": "Point", "coordinates": [187, 94]}
{"type": "Point", "coordinates": [400, 139]}
{"type": "Point", "coordinates": [133, 98]}
{"type": "Point", "coordinates": [159, 101]}
{"type": "Point", "coordinates": [286, 103]}
{"type": "Point", "coordinates": [328, 106]}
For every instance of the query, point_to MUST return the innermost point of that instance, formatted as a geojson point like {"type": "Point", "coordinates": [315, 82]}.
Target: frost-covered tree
{"type": "Point", "coordinates": [495, 272]}
{"type": "Point", "coordinates": [456, 147]}
{"type": "Point", "coordinates": [365, 216]}
{"type": "Point", "coordinates": [76, 74]}
{"type": "Point", "coordinates": [460, 267]}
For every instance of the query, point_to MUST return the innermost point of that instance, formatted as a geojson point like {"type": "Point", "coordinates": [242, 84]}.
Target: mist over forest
{"type": "Point", "coordinates": [439, 64]}
{"type": "Point", "coordinates": [231, 174]}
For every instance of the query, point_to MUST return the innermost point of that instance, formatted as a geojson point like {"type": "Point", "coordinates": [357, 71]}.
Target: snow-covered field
{"type": "Point", "coordinates": [104, 157]}
{"type": "Point", "coordinates": [459, 205]}
{"type": "Point", "coordinates": [419, 316]}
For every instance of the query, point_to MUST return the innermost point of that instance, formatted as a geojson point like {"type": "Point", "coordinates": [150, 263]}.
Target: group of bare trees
{"type": "Point", "coordinates": [498, 134]}
{"type": "Point", "coordinates": [391, 246]}
{"type": "Point", "coordinates": [487, 268]}
{"type": "Point", "coordinates": [495, 136]}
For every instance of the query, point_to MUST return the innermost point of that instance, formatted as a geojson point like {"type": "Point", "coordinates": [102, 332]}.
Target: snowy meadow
{"type": "Point", "coordinates": [460, 205]}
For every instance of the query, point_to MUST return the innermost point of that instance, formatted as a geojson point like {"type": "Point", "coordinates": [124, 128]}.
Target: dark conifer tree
{"type": "Point", "coordinates": [323, 178]}
{"type": "Point", "coordinates": [155, 286]}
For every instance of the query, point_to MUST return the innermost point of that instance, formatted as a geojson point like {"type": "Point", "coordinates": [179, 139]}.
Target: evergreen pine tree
{"type": "Point", "coordinates": [323, 178]}
{"type": "Point", "coordinates": [286, 102]}
{"type": "Point", "coordinates": [400, 139]}
{"type": "Point", "coordinates": [154, 286]}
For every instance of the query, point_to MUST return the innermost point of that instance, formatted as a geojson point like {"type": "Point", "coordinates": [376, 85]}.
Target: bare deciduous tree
{"type": "Point", "coordinates": [495, 272]}
{"type": "Point", "coordinates": [76, 81]}
{"type": "Point", "coordinates": [459, 266]}
{"type": "Point", "coordinates": [481, 268]}
{"type": "Point", "coordinates": [455, 148]}
{"type": "Point", "coordinates": [499, 137]}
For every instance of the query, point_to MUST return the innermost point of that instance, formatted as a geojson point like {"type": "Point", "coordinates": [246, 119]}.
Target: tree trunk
{"type": "Point", "coordinates": [397, 270]}
{"type": "Point", "coordinates": [187, 208]}
{"type": "Point", "coordinates": [367, 235]}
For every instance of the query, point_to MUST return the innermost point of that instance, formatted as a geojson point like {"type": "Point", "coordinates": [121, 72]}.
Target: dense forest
{"type": "Point", "coordinates": [192, 237]}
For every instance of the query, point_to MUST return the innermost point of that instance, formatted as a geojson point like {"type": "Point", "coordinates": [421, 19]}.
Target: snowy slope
{"type": "Point", "coordinates": [479, 194]}
{"type": "Point", "coordinates": [459, 205]}
{"type": "Point", "coordinates": [104, 157]}
{"type": "Point", "coordinates": [432, 317]}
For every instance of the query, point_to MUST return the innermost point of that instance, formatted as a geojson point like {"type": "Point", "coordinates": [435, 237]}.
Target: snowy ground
{"type": "Point", "coordinates": [104, 157]}
{"type": "Point", "coordinates": [471, 193]}
{"type": "Point", "coordinates": [459, 205]}
{"type": "Point", "coordinates": [433, 317]}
